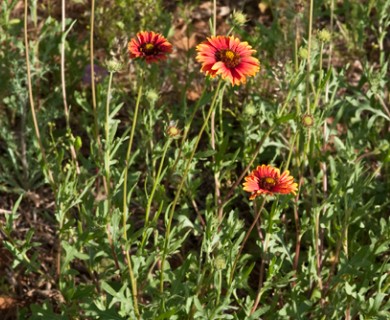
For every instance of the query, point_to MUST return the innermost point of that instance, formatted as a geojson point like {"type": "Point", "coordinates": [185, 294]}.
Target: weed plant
{"type": "Point", "coordinates": [121, 179]}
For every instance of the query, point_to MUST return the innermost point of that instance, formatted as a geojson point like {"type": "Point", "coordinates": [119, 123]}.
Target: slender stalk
{"type": "Point", "coordinates": [92, 65]}
{"type": "Point", "coordinates": [330, 46]}
{"type": "Point", "coordinates": [186, 170]}
{"type": "Point", "coordinates": [63, 85]}
{"type": "Point", "coordinates": [308, 65]}
{"type": "Point", "coordinates": [323, 164]}
{"type": "Point", "coordinates": [317, 248]}
{"type": "Point", "coordinates": [342, 242]}
{"type": "Point", "coordinates": [151, 196]}
{"type": "Point", "coordinates": [264, 258]}
{"type": "Point", "coordinates": [217, 191]}
{"type": "Point", "coordinates": [291, 151]}
{"type": "Point", "coordinates": [297, 237]}
{"type": "Point", "coordinates": [214, 17]}
{"type": "Point", "coordinates": [219, 289]}
{"type": "Point", "coordinates": [46, 168]}
{"type": "Point", "coordinates": [107, 145]}
{"type": "Point", "coordinates": [107, 170]}
{"type": "Point", "coordinates": [93, 87]}
{"type": "Point", "coordinates": [32, 105]}
{"type": "Point", "coordinates": [125, 206]}
{"type": "Point", "coordinates": [186, 130]}
{"type": "Point", "coordinates": [245, 240]}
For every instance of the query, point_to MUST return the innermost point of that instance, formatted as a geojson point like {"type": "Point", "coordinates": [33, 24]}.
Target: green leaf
{"type": "Point", "coordinates": [205, 154]}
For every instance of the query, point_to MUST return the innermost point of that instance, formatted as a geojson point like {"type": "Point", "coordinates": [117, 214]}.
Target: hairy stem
{"type": "Point", "coordinates": [133, 281]}
{"type": "Point", "coordinates": [184, 177]}
{"type": "Point", "coordinates": [248, 233]}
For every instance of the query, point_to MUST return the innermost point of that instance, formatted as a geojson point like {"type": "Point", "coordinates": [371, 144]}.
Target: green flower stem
{"type": "Point", "coordinates": [172, 210]}
{"type": "Point", "coordinates": [92, 65]}
{"type": "Point", "coordinates": [245, 240]}
{"type": "Point", "coordinates": [186, 130]}
{"type": "Point", "coordinates": [320, 87]}
{"type": "Point", "coordinates": [46, 168]}
{"type": "Point", "coordinates": [219, 292]}
{"type": "Point", "coordinates": [107, 170]}
{"type": "Point", "coordinates": [291, 151]}
{"type": "Point", "coordinates": [107, 145]}
{"type": "Point", "coordinates": [308, 72]}
{"type": "Point", "coordinates": [151, 196]}
{"type": "Point", "coordinates": [264, 259]}
{"type": "Point", "coordinates": [317, 247]}
{"type": "Point", "coordinates": [63, 84]}
{"type": "Point", "coordinates": [320, 64]}
{"type": "Point", "coordinates": [214, 17]}
{"type": "Point", "coordinates": [125, 207]}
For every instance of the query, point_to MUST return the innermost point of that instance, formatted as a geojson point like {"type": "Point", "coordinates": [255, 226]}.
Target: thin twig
{"type": "Point", "coordinates": [93, 87]}
{"type": "Point", "coordinates": [297, 228]}
{"type": "Point", "coordinates": [263, 260]}
{"type": "Point", "coordinates": [308, 65]}
{"type": "Point", "coordinates": [31, 99]}
{"type": "Point", "coordinates": [184, 177]}
{"type": "Point", "coordinates": [217, 190]}
{"type": "Point", "coordinates": [133, 281]}
{"type": "Point", "coordinates": [63, 84]}
{"type": "Point", "coordinates": [248, 233]}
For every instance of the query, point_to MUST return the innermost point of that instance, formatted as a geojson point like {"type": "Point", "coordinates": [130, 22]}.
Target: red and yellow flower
{"type": "Point", "coordinates": [150, 46]}
{"type": "Point", "coordinates": [266, 179]}
{"type": "Point", "coordinates": [228, 57]}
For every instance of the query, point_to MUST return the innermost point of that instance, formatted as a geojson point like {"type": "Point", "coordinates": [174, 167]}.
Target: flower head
{"type": "Point", "coordinates": [173, 131]}
{"type": "Point", "coordinates": [150, 46]}
{"type": "Point", "coordinates": [228, 57]}
{"type": "Point", "coordinates": [266, 179]}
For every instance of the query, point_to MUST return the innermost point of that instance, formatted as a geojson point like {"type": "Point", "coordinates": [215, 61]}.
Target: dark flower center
{"type": "Point", "coordinates": [230, 58]}
{"type": "Point", "coordinates": [267, 183]}
{"type": "Point", "coordinates": [149, 49]}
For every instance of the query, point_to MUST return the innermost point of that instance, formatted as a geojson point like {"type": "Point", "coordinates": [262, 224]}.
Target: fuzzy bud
{"type": "Point", "coordinates": [219, 263]}
{"type": "Point", "coordinates": [239, 18]}
{"type": "Point", "coordinates": [307, 120]}
{"type": "Point", "coordinates": [324, 36]}
{"type": "Point", "coordinates": [114, 65]}
{"type": "Point", "coordinates": [303, 53]}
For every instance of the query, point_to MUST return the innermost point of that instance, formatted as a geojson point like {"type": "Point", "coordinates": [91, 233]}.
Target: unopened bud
{"type": "Point", "coordinates": [114, 65]}
{"type": "Point", "coordinates": [324, 35]}
{"type": "Point", "coordinates": [219, 263]}
{"type": "Point", "coordinates": [303, 53]}
{"type": "Point", "coordinates": [307, 120]}
{"type": "Point", "coordinates": [173, 131]}
{"type": "Point", "coordinates": [239, 18]}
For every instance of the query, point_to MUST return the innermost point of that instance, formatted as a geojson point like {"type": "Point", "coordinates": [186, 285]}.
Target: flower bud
{"type": "Point", "coordinates": [324, 36]}
{"type": "Point", "coordinates": [303, 53]}
{"type": "Point", "coordinates": [307, 120]}
{"type": "Point", "coordinates": [219, 263]}
{"type": "Point", "coordinates": [173, 131]}
{"type": "Point", "coordinates": [239, 18]}
{"type": "Point", "coordinates": [114, 65]}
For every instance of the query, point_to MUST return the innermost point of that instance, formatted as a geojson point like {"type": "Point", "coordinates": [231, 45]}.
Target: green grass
{"type": "Point", "coordinates": [105, 216]}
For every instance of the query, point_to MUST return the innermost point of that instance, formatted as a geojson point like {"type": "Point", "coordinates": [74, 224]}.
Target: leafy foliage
{"type": "Point", "coordinates": [107, 216]}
